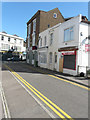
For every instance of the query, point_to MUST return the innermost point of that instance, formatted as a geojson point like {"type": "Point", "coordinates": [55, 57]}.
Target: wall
{"type": "Point", "coordinates": [12, 43]}
{"type": "Point", "coordinates": [82, 54]}
{"type": "Point", "coordinates": [51, 48]}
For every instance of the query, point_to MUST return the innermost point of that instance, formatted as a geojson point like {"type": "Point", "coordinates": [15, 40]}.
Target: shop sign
{"type": "Point", "coordinates": [87, 47]}
{"type": "Point", "coordinates": [69, 53]}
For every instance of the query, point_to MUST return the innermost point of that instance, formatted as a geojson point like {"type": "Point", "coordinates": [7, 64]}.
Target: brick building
{"type": "Point", "coordinates": [41, 21]}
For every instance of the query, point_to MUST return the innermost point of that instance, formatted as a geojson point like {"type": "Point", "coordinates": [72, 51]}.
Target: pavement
{"type": "Point", "coordinates": [23, 103]}
{"type": "Point", "coordinates": [16, 96]}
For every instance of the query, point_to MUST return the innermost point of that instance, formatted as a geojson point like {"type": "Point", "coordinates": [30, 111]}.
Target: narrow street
{"type": "Point", "coordinates": [34, 93]}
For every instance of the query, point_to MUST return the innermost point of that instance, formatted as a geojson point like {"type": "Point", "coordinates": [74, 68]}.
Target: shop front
{"type": "Point", "coordinates": [68, 60]}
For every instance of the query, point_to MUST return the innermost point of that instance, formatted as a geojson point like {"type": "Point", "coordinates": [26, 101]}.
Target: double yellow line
{"type": "Point", "coordinates": [70, 82]}
{"type": "Point", "coordinates": [48, 102]}
{"type": "Point", "coordinates": [76, 84]}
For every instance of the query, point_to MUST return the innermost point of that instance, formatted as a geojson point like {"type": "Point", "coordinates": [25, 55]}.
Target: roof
{"type": "Point", "coordinates": [4, 32]}
{"type": "Point", "coordinates": [85, 20]}
{"type": "Point", "coordinates": [16, 35]}
{"type": "Point", "coordinates": [38, 12]}
{"type": "Point", "coordinates": [68, 18]}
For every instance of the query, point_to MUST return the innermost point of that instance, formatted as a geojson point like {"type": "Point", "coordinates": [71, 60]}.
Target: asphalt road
{"type": "Point", "coordinates": [59, 98]}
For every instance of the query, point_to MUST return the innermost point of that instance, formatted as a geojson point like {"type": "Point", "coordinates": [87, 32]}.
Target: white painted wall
{"type": "Point", "coordinates": [82, 56]}
{"type": "Point", "coordinates": [11, 43]}
{"type": "Point", "coordinates": [58, 42]}
{"type": "Point", "coordinates": [51, 48]}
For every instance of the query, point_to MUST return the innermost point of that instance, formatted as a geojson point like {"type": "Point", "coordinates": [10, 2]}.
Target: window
{"type": "Point", "coordinates": [51, 38]}
{"type": "Point", "coordinates": [68, 34]}
{"type": "Point", "coordinates": [48, 25]}
{"type": "Point", "coordinates": [55, 15]}
{"type": "Point", "coordinates": [34, 25]}
{"type": "Point", "coordinates": [41, 42]}
{"type": "Point", "coordinates": [50, 59]}
{"type": "Point", "coordinates": [20, 41]}
{"type": "Point", "coordinates": [28, 42]}
{"type": "Point", "coordinates": [29, 29]}
{"type": "Point", "coordinates": [55, 58]}
{"type": "Point", "coordinates": [2, 37]}
{"type": "Point", "coordinates": [14, 40]}
{"type": "Point", "coordinates": [45, 41]}
{"type": "Point", "coordinates": [8, 39]}
{"type": "Point", "coordinates": [15, 48]}
{"type": "Point", "coordinates": [43, 57]}
{"type": "Point", "coordinates": [5, 46]}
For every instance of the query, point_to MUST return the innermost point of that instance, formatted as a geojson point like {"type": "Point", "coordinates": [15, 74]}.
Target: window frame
{"type": "Point", "coordinates": [50, 57]}
{"type": "Point", "coordinates": [9, 39]}
{"type": "Point", "coordinates": [55, 16]}
{"type": "Point", "coordinates": [51, 38]}
{"type": "Point", "coordinates": [68, 33]}
{"type": "Point", "coordinates": [2, 37]}
{"type": "Point", "coordinates": [45, 41]}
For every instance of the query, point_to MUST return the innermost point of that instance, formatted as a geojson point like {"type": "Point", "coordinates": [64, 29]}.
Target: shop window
{"type": "Point", "coordinates": [43, 57]}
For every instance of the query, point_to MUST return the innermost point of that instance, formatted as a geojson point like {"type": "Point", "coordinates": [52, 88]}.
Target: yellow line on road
{"type": "Point", "coordinates": [40, 94]}
{"type": "Point", "coordinates": [76, 84]}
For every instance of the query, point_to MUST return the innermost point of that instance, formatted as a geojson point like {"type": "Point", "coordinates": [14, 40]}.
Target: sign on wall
{"type": "Point", "coordinates": [87, 47]}
{"type": "Point", "coordinates": [68, 53]}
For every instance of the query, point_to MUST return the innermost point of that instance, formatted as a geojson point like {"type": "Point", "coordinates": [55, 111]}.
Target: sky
{"type": "Point", "coordinates": [15, 15]}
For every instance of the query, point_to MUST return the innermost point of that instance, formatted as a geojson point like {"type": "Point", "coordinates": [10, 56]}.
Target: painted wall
{"type": "Point", "coordinates": [51, 48]}
{"type": "Point", "coordinates": [12, 42]}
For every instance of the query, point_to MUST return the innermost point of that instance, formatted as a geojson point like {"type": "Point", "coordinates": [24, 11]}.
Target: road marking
{"type": "Point", "coordinates": [48, 102]}
{"type": "Point", "coordinates": [50, 114]}
{"type": "Point", "coordinates": [4, 103]}
{"type": "Point", "coordinates": [76, 84]}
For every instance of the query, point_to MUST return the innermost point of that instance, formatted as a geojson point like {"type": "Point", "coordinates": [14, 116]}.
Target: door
{"type": "Point", "coordinates": [61, 64]}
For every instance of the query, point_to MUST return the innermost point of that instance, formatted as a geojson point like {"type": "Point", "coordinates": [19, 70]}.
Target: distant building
{"type": "Point", "coordinates": [41, 21]}
{"type": "Point", "coordinates": [11, 42]}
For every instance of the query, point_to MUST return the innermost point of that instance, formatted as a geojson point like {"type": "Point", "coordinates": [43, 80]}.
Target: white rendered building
{"type": "Point", "coordinates": [8, 42]}
{"type": "Point", "coordinates": [67, 47]}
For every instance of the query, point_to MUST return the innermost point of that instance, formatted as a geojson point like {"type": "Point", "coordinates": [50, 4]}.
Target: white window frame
{"type": "Point", "coordinates": [43, 57]}
{"type": "Point", "coordinates": [51, 38]}
{"type": "Point", "coordinates": [34, 25]}
{"type": "Point", "coordinates": [50, 57]}
{"type": "Point", "coordinates": [45, 41]}
{"type": "Point", "coordinates": [67, 34]}
{"type": "Point", "coordinates": [41, 42]}
{"type": "Point", "coordinates": [55, 15]}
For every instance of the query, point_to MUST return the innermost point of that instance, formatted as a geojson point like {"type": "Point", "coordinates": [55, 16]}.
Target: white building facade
{"type": "Point", "coordinates": [47, 49]}
{"type": "Point", "coordinates": [67, 49]}
{"type": "Point", "coordinates": [8, 42]}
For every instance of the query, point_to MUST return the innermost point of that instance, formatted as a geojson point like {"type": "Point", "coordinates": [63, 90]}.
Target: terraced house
{"type": "Point", "coordinates": [41, 21]}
